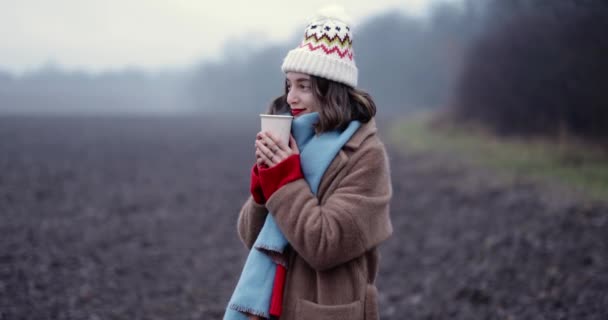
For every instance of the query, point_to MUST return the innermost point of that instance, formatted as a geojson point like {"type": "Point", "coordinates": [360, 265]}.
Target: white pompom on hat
{"type": "Point", "coordinates": [327, 48]}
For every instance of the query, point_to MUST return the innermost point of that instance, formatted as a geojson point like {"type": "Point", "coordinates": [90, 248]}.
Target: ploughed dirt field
{"type": "Point", "coordinates": [135, 218]}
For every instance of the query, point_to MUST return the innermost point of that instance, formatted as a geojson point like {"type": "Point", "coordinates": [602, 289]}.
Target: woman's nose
{"type": "Point", "coordinates": [292, 98]}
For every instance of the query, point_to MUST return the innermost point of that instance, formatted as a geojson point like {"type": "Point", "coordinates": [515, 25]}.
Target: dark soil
{"type": "Point", "coordinates": [135, 218]}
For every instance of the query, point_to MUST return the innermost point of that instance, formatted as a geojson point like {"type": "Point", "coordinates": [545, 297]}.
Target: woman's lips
{"type": "Point", "coordinates": [295, 112]}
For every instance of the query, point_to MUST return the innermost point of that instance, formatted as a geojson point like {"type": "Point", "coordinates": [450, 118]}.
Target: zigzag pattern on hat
{"type": "Point", "coordinates": [342, 54]}
{"type": "Point", "coordinates": [344, 43]}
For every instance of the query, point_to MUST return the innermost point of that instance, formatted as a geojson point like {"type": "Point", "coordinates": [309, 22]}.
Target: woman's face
{"type": "Point", "coordinates": [300, 96]}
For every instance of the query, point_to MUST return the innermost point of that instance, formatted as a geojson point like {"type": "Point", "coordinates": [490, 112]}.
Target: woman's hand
{"type": "Point", "coordinates": [269, 151]}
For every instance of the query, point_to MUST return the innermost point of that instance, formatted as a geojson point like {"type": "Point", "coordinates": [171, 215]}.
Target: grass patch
{"type": "Point", "coordinates": [576, 165]}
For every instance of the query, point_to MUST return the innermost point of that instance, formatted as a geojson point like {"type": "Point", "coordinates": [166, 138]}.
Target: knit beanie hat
{"type": "Point", "coordinates": [326, 50]}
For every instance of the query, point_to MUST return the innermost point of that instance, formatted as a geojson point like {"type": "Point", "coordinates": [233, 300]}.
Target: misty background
{"type": "Point", "coordinates": [523, 54]}
{"type": "Point", "coordinates": [525, 66]}
{"type": "Point", "coordinates": [405, 61]}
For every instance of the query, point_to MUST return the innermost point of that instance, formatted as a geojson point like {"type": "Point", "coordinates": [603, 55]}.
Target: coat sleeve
{"type": "Point", "coordinates": [250, 222]}
{"type": "Point", "coordinates": [352, 220]}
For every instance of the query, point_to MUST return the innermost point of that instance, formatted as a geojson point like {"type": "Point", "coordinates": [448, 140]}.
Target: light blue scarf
{"type": "Point", "coordinates": [254, 289]}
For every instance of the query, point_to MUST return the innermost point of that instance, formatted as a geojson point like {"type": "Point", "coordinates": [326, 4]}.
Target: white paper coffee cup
{"type": "Point", "coordinates": [278, 125]}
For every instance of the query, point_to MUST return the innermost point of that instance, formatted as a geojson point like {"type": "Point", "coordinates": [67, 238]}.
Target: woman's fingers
{"type": "Point", "coordinates": [272, 151]}
{"type": "Point", "coordinates": [263, 160]}
{"type": "Point", "coordinates": [276, 145]}
{"type": "Point", "coordinates": [264, 149]}
{"type": "Point", "coordinates": [258, 159]}
{"type": "Point", "coordinates": [258, 155]}
{"type": "Point", "coordinates": [266, 153]}
{"type": "Point", "coordinates": [269, 142]}
{"type": "Point", "coordinates": [294, 145]}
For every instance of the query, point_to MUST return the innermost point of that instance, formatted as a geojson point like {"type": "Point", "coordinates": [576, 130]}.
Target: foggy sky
{"type": "Point", "coordinates": [113, 34]}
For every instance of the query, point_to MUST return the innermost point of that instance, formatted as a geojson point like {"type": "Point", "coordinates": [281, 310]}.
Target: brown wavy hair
{"type": "Point", "coordinates": [339, 104]}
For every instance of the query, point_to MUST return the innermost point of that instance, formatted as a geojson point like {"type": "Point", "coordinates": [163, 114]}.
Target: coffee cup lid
{"type": "Point", "coordinates": [276, 116]}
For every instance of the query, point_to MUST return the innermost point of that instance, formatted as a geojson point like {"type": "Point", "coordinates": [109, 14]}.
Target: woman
{"type": "Point", "coordinates": [320, 205]}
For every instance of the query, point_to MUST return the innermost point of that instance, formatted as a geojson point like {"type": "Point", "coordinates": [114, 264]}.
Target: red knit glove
{"type": "Point", "coordinates": [279, 175]}
{"type": "Point", "coordinates": [256, 186]}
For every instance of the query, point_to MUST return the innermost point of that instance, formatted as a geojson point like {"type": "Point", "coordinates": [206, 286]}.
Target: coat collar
{"type": "Point", "coordinates": [366, 130]}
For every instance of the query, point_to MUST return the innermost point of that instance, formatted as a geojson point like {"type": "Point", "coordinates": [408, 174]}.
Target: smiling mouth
{"type": "Point", "coordinates": [295, 112]}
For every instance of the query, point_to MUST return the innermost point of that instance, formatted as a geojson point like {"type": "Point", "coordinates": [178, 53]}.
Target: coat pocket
{"type": "Point", "coordinates": [307, 310]}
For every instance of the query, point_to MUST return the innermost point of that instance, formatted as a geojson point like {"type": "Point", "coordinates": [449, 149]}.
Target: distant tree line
{"type": "Point", "coordinates": [406, 63]}
{"type": "Point", "coordinates": [531, 67]}
{"type": "Point", "coordinates": [53, 90]}
{"type": "Point", "coordinates": [538, 68]}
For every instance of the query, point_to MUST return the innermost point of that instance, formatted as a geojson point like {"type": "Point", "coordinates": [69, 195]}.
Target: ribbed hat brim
{"type": "Point", "coordinates": [321, 65]}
